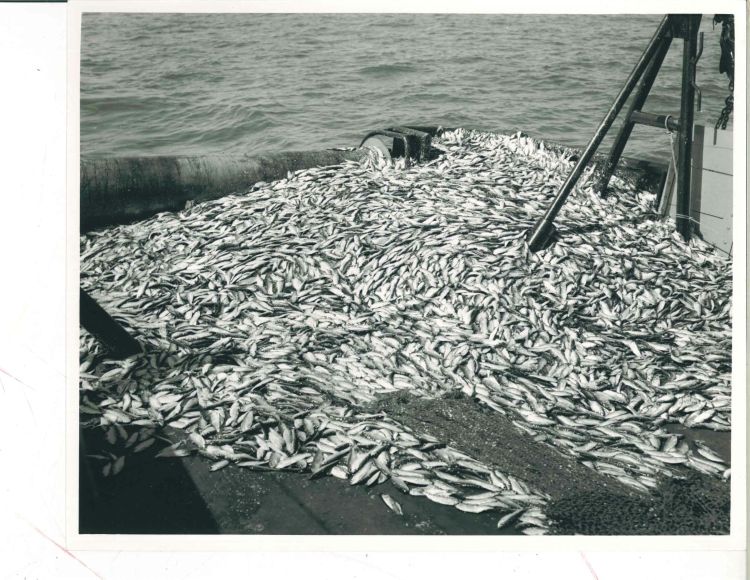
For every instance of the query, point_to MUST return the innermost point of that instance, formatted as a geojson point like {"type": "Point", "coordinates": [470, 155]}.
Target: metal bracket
{"type": "Point", "coordinates": [411, 143]}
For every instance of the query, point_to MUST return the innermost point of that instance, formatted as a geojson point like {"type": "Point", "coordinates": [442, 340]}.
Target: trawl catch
{"type": "Point", "coordinates": [271, 317]}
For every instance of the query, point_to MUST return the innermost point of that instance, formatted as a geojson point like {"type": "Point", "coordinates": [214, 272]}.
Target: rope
{"type": "Point", "coordinates": [682, 215]}
{"type": "Point", "coordinates": [671, 142]}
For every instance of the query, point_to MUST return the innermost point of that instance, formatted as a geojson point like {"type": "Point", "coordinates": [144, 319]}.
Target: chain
{"type": "Point", "coordinates": [726, 64]}
{"type": "Point", "coordinates": [721, 123]}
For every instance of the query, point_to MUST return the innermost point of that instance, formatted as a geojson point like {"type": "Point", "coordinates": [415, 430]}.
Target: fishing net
{"type": "Point", "coordinates": [271, 319]}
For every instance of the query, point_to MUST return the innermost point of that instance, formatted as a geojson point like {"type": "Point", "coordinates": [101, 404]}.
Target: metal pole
{"type": "Point", "coordinates": [687, 107]}
{"type": "Point", "coordinates": [639, 99]}
{"type": "Point", "coordinates": [653, 120]}
{"type": "Point", "coordinates": [541, 234]}
{"type": "Point", "coordinates": [96, 320]}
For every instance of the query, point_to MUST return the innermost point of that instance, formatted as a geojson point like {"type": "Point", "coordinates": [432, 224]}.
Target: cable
{"type": "Point", "coordinates": [682, 215]}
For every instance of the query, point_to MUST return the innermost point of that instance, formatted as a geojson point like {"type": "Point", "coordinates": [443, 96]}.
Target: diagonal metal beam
{"type": "Point", "coordinates": [639, 99]}
{"type": "Point", "coordinates": [543, 231]}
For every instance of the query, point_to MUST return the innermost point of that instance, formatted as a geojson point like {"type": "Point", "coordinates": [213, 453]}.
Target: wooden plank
{"type": "Point", "coordinates": [724, 138]}
{"type": "Point", "coordinates": [717, 232]}
{"type": "Point", "coordinates": [717, 200]}
{"type": "Point", "coordinates": [667, 203]}
{"type": "Point", "coordinates": [717, 160]}
{"type": "Point", "coordinates": [716, 208]}
{"type": "Point", "coordinates": [711, 188]}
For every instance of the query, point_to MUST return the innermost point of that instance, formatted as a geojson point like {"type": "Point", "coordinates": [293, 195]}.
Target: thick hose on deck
{"type": "Point", "coordinates": [120, 190]}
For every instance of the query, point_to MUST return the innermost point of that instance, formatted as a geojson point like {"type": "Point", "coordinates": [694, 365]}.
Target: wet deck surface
{"type": "Point", "coordinates": [182, 496]}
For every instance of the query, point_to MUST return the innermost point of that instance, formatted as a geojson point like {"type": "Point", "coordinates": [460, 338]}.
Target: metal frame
{"type": "Point", "coordinates": [412, 143]}
{"type": "Point", "coordinates": [672, 26]}
{"type": "Point", "coordinates": [690, 26]}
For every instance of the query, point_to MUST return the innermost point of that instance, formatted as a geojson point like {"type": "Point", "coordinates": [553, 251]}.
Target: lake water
{"type": "Point", "coordinates": [156, 84]}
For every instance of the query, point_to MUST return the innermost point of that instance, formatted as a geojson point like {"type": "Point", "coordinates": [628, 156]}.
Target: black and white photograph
{"type": "Point", "coordinates": [406, 274]}
{"type": "Point", "coordinates": [412, 290]}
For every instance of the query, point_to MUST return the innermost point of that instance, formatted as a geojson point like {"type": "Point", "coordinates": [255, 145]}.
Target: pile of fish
{"type": "Point", "coordinates": [271, 317]}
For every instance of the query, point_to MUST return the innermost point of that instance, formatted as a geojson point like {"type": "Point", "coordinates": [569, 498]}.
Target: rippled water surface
{"type": "Point", "coordinates": [209, 83]}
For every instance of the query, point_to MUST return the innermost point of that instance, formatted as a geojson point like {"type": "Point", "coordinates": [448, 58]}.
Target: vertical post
{"type": "Point", "coordinates": [639, 99]}
{"type": "Point", "coordinates": [687, 106]}
{"type": "Point", "coordinates": [541, 234]}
